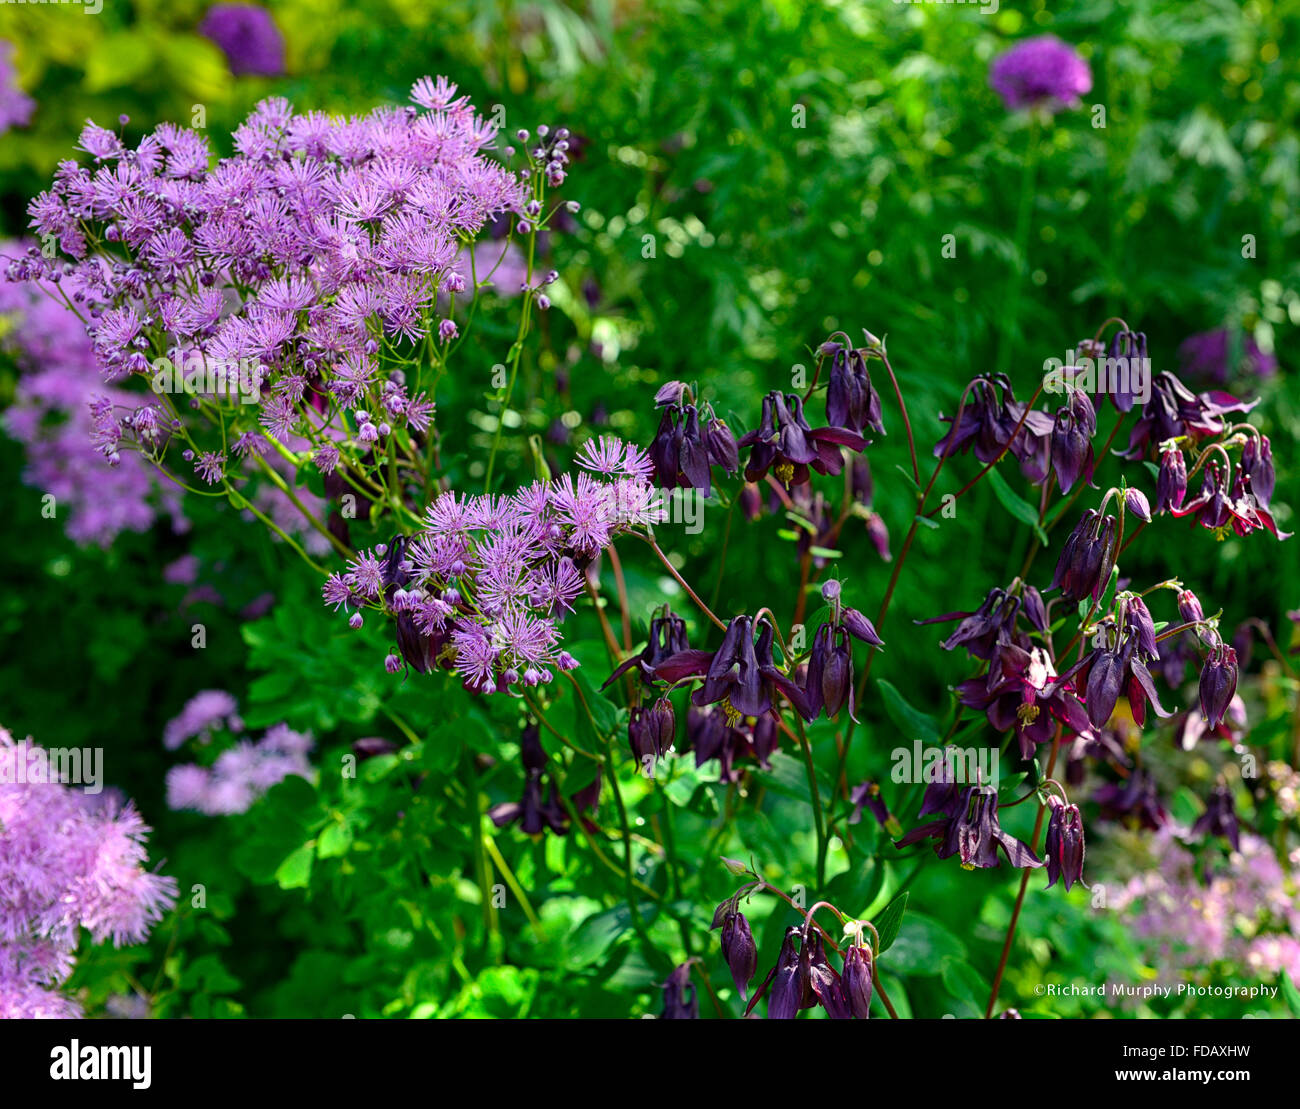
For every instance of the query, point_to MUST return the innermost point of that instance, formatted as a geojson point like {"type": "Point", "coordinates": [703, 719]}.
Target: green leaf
{"type": "Point", "coordinates": [1020, 508]}
{"type": "Point", "coordinates": [334, 841]}
{"type": "Point", "coordinates": [921, 946]}
{"type": "Point", "coordinates": [118, 60]}
{"type": "Point", "coordinates": [888, 922]}
{"type": "Point", "coordinates": [1290, 993]}
{"type": "Point", "coordinates": [914, 723]}
{"type": "Point", "coordinates": [295, 871]}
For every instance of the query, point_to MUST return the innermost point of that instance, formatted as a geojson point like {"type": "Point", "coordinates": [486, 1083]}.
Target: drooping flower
{"type": "Point", "coordinates": [970, 830]}
{"type": "Point", "coordinates": [1220, 817]}
{"type": "Point", "coordinates": [1064, 848]}
{"type": "Point", "coordinates": [786, 444]}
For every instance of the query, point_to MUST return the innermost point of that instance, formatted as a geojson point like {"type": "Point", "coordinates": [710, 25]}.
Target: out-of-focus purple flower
{"type": "Point", "coordinates": [1220, 817]}
{"type": "Point", "coordinates": [1134, 800]}
{"type": "Point", "coordinates": [1206, 356]}
{"type": "Point", "coordinates": [240, 774]}
{"type": "Point", "coordinates": [680, 1002]}
{"type": "Point", "coordinates": [248, 37]}
{"type": "Point", "coordinates": [1041, 72]}
{"type": "Point", "coordinates": [16, 107]}
{"type": "Point", "coordinates": [203, 713]}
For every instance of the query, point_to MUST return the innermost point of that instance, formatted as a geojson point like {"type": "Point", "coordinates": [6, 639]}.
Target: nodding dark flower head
{"type": "Point", "coordinates": [855, 980]}
{"type": "Point", "coordinates": [1072, 455]}
{"type": "Point", "coordinates": [678, 452]}
{"type": "Point", "coordinates": [1257, 463]}
{"type": "Point", "coordinates": [1138, 621]}
{"type": "Point", "coordinates": [1218, 683]}
{"type": "Point", "coordinates": [1171, 483]}
{"type": "Point", "coordinates": [721, 445]}
{"type": "Point", "coordinates": [741, 675]}
{"type": "Point", "coordinates": [1175, 412]}
{"type": "Point", "coordinates": [533, 814]}
{"type": "Point", "coordinates": [992, 421]}
{"type": "Point", "coordinates": [861, 486]}
{"type": "Point", "coordinates": [1126, 364]}
{"type": "Point", "coordinates": [851, 402]}
{"type": "Point", "coordinates": [787, 993]}
{"type": "Point", "coordinates": [1220, 817]}
{"type": "Point", "coordinates": [1087, 557]}
{"type": "Point", "coordinates": [1064, 848]}
{"type": "Point", "coordinates": [739, 950]}
{"type": "Point", "coordinates": [1021, 691]}
{"type": "Point", "coordinates": [680, 1002]}
{"type": "Point", "coordinates": [1133, 801]}
{"type": "Point", "coordinates": [650, 730]}
{"type": "Point", "coordinates": [786, 444]}
{"type": "Point", "coordinates": [986, 629]}
{"type": "Point", "coordinates": [1225, 510]}
{"type": "Point", "coordinates": [970, 830]}
{"type": "Point", "coordinates": [1113, 670]}
{"type": "Point", "coordinates": [667, 637]}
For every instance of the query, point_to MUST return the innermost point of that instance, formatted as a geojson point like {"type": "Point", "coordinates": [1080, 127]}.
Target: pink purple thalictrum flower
{"type": "Point", "coordinates": [1041, 72]}
{"type": "Point", "coordinates": [16, 107]}
{"type": "Point", "coordinates": [483, 588]}
{"type": "Point", "coordinates": [247, 36]}
{"type": "Point", "coordinates": [70, 861]}
{"type": "Point", "coordinates": [241, 773]}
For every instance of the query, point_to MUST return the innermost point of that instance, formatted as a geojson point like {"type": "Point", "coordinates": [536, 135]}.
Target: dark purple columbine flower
{"type": "Point", "coordinates": [855, 980]}
{"type": "Point", "coordinates": [1022, 691]}
{"type": "Point", "coordinates": [1171, 483]}
{"type": "Point", "coordinates": [1072, 456]}
{"type": "Point", "coordinates": [680, 1002]}
{"type": "Point", "coordinates": [1113, 670]}
{"type": "Point", "coordinates": [531, 812]}
{"type": "Point", "coordinates": [1064, 848]}
{"type": "Point", "coordinates": [1126, 366]}
{"type": "Point", "coordinates": [851, 402]}
{"type": "Point", "coordinates": [787, 981]}
{"type": "Point", "coordinates": [1175, 412]}
{"type": "Point", "coordinates": [739, 950]}
{"type": "Point", "coordinates": [1138, 621]}
{"type": "Point", "coordinates": [740, 675]}
{"type": "Point", "coordinates": [1087, 557]}
{"type": "Point", "coordinates": [1041, 72]}
{"type": "Point", "coordinates": [710, 736]}
{"type": "Point", "coordinates": [1220, 509]}
{"type": "Point", "coordinates": [682, 452]}
{"type": "Point", "coordinates": [867, 795]}
{"type": "Point", "coordinates": [785, 443]}
{"type": "Point", "coordinates": [667, 637]}
{"type": "Point", "coordinates": [1218, 683]}
{"type": "Point", "coordinates": [990, 626]}
{"type": "Point", "coordinates": [970, 830]}
{"type": "Point", "coordinates": [248, 37]}
{"type": "Point", "coordinates": [1134, 800]}
{"type": "Point", "coordinates": [1257, 464]}
{"type": "Point", "coordinates": [988, 426]}
{"type": "Point", "coordinates": [1220, 817]}
{"type": "Point", "coordinates": [650, 730]}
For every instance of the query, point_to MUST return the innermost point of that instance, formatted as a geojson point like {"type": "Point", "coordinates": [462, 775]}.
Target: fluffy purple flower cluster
{"type": "Point", "coordinates": [292, 266]}
{"type": "Point", "coordinates": [1040, 72]}
{"type": "Point", "coordinates": [482, 589]}
{"type": "Point", "coordinates": [240, 774]}
{"type": "Point", "coordinates": [71, 861]}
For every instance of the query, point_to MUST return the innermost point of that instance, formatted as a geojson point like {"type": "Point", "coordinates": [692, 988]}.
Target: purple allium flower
{"type": "Point", "coordinates": [69, 864]}
{"type": "Point", "coordinates": [16, 107]}
{"type": "Point", "coordinates": [248, 37]}
{"type": "Point", "coordinates": [1040, 72]}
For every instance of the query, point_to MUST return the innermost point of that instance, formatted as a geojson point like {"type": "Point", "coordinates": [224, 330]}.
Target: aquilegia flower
{"type": "Point", "coordinates": [1041, 72]}
{"type": "Point", "coordinates": [786, 444]}
{"type": "Point", "coordinates": [970, 830]}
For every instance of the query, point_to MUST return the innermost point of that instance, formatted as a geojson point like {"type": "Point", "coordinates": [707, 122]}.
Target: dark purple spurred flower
{"type": "Point", "coordinates": [1134, 801]}
{"type": "Point", "coordinates": [1040, 72]}
{"type": "Point", "coordinates": [248, 37]}
{"type": "Point", "coordinates": [1175, 412]}
{"type": "Point", "coordinates": [739, 950]}
{"type": "Point", "coordinates": [785, 443]}
{"type": "Point", "coordinates": [851, 402]}
{"type": "Point", "coordinates": [1115, 669]}
{"type": "Point", "coordinates": [988, 426]}
{"type": "Point", "coordinates": [1257, 464]}
{"type": "Point", "coordinates": [667, 637]}
{"type": "Point", "coordinates": [1064, 849]}
{"type": "Point", "coordinates": [1222, 510]}
{"type": "Point", "coordinates": [650, 730]}
{"type": "Point", "coordinates": [1125, 367]}
{"type": "Point", "coordinates": [531, 812]}
{"type": "Point", "coordinates": [788, 985]}
{"type": "Point", "coordinates": [1206, 355]}
{"type": "Point", "coordinates": [1072, 432]}
{"type": "Point", "coordinates": [710, 736]}
{"type": "Point", "coordinates": [825, 984]}
{"type": "Point", "coordinates": [680, 1002]}
{"type": "Point", "coordinates": [990, 626]}
{"type": "Point", "coordinates": [970, 830]}
{"type": "Point", "coordinates": [679, 453]}
{"type": "Point", "coordinates": [1087, 557]}
{"type": "Point", "coordinates": [1171, 484]}
{"type": "Point", "coordinates": [1218, 683]}
{"type": "Point", "coordinates": [740, 675]}
{"type": "Point", "coordinates": [867, 795]}
{"type": "Point", "coordinates": [1138, 621]}
{"type": "Point", "coordinates": [1022, 691]}
{"type": "Point", "coordinates": [1220, 817]}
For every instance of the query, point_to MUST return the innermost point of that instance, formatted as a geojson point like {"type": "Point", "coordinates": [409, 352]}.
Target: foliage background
{"type": "Point", "coordinates": [361, 897]}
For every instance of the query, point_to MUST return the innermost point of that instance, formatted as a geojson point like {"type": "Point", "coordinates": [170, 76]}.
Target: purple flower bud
{"type": "Point", "coordinates": [831, 590]}
{"type": "Point", "coordinates": [392, 663]}
{"type": "Point", "coordinates": [860, 627]}
{"type": "Point", "coordinates": [355, 621]}
{"type": "Point", "coordinates": [1137, 618]}
{"type": "Point", "coordinates": [721, 444]}
{"type": "Point", "coordinates": [1072, 455]}
{"type": "Point", "coordinates": [1189, 607]}
{"type": "Point", "coordinates": [739, 950]}
{"type": "Point", "coordinates": [1064, 847]}
{"type": "Point", "coordinates": [1257, 463]}
{"type": "Point", "coordinates": [856, 980]}
{"type": "Point", "coordinates": [1135, 501]}
{"type": "Point", "coordinates": [1171, 483]}
{"type": "Point", "coordinates": [1218, 683]}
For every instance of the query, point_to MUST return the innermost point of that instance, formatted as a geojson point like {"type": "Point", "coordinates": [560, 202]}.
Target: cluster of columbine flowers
{"type": "Point", "coordinates": [238, 774]}
{"type": "Point", "coordinates": [71, 861]}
